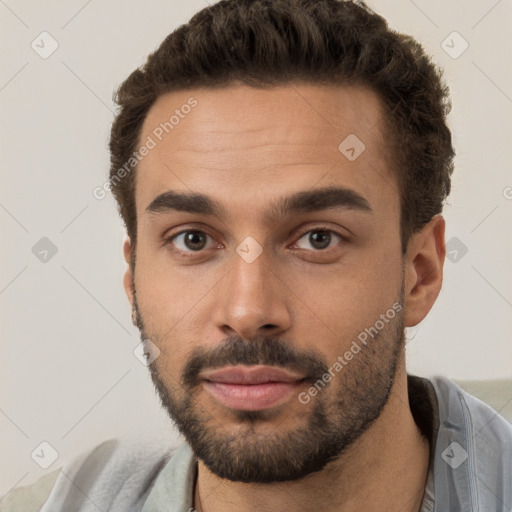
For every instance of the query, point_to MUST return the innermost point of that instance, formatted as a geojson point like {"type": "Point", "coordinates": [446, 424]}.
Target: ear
{"type": "Point", "coordinates": [128, 281]}
{"type": "Point", "coordinates": [424, 262]}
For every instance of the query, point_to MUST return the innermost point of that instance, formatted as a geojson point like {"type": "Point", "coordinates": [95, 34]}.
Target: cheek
{"type": "Point", "coordinates": [171, 304]}
{"type": "Point", "coordinates": [168, 294]}
{"type": "Point", "coordinates": [348, 298]}
{"type": "Point", "coordinates": [170, 367]}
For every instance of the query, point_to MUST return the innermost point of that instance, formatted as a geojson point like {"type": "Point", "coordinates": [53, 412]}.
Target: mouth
{"type": "Point", "coordinates": [251, 388]}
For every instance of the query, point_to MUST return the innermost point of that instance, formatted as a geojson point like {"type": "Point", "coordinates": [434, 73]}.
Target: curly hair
{"type": "Point", "coordinates": [265, 43]}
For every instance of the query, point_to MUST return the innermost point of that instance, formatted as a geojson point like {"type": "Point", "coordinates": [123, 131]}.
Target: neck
{"type": "Point", "coordinates": [385, 469]}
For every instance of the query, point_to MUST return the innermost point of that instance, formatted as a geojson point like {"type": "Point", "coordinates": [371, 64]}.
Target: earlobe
{"type": "Point", "coordinates": [424, 270]}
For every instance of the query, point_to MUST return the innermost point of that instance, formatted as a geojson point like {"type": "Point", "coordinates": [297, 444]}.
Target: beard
{"type": "Point", "coordinates": [335, 418]}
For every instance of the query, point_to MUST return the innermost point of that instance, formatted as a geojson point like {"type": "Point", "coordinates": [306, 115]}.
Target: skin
{"type": "Point", "coordinates": [234, 147]}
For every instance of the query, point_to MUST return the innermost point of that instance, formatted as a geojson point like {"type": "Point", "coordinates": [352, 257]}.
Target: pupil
{"type": "Point", "coordinates": [315, 236]}
{"type": "Point", "coordinates": [194, 238]}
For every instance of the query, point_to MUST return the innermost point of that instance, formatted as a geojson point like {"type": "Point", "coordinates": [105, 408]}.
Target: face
{"type": "Point", "coordinates": [269, 273]}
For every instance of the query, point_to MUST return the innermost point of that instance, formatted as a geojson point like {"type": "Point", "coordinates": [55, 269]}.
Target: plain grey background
{"type": "Point", "coordinates": [68, 373]}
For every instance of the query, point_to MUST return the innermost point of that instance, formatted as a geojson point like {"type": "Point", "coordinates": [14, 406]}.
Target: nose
{"type": "Point", "coordinates": [252, 300]}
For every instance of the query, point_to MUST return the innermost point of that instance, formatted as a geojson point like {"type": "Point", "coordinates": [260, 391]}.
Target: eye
{"type": "Point", "coordinates": [190, 241]}
{"type": "Point", "coordinates": [319, 239]}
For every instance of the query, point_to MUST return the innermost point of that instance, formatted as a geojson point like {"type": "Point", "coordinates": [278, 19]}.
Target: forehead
{"type": "Point", "coordinates": [243, 144]}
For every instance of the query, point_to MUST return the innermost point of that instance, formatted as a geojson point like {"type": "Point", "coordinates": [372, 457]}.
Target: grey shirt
{"type": "Point", "coordinates": [470, 466]}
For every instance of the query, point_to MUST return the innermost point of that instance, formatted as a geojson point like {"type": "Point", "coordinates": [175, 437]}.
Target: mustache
{"type": "Point", "coordinates": [260, 351]}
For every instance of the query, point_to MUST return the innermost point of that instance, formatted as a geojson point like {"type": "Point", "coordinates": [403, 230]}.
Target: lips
{"type": "Point", "coordinates": [251, 375]}
{"type": "Point", "coordinates": [251, 388]}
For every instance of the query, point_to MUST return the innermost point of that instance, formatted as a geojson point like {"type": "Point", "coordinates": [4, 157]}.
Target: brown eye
{"type": "Point", "coordinates": [319, 239]}
{"type": "Point", "coordinates": [190, 241]}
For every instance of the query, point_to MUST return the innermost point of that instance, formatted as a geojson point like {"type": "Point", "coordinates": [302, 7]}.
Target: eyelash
{"type": "Point", "coordinates": [188, 254]}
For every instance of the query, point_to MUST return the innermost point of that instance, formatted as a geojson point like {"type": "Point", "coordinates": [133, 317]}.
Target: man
{"type": "Point", "coordinates": [281, 167]}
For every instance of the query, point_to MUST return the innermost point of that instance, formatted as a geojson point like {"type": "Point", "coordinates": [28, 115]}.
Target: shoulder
{"type": "Point", "coordinates": [474, 449]}
{"type": "Point", "coordinates": [117, 471]}
{"type": "Point", "coordinates": [479, 416]}
{"type": "Point", "coordinates": [29, 498]}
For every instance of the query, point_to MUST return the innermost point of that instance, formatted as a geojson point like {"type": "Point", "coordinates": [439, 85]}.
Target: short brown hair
{"type": "Point", "coordinates": [265, 43]}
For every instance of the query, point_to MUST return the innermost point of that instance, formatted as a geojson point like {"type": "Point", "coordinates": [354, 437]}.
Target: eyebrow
{"type": "Point", "coordinates": [305, 201]}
